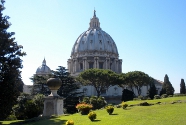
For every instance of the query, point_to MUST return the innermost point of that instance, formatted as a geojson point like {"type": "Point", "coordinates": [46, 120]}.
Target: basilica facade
{"type": "Point", "coordinates": [95, 48]}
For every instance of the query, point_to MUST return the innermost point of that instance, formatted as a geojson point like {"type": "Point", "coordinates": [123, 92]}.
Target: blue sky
{"type": "Point", "coordinates": [150, 35]}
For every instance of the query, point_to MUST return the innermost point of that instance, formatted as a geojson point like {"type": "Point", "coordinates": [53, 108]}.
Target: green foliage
{"type": "Point", "coordinates": [167, 87]}
{"type": "Point", "coordinates": [10, 64]}
{"type": "Point", "coordinates": [152, 91]}
{"type": "Point", "coordinates": [124, 105]}
{"type": "Point", "coordinates": [92, 116]}
{"type": "Point", "coordinates": [109, 109]}
{"type": "Point", "coordinates": [164, 96]}
{"type": "Point", "coordinates": [137, 115]}
{"type": "Point", "coordinates": [68, 89]}
{"type": "Point", "coordinates": [11, 118]}
{"type": "Point", "coordinates": [39, 85]}
{"type": "Point", "coordinates": [144, 104]}
{"type": "Point", "coordinates": [86, 100]}
{"type": "Point", "coordinates": [97, 102]}
{"type": "Point", "coordinates": [182, 87]}
{"type": "Point", "coordinates": [157, 97]}
{"type": "Point", "coordinates": [100, 79]}
{"type": "Point", "coordinates": [70, 122]}
{"type": "Point", "coordinates": [135, 79]}
{"type": "Point", "coordinates": [29, 107]}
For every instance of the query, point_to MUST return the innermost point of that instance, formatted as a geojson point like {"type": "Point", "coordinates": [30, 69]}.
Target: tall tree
{"type": "Point", "coordinates": [68, 89]}
{"type": "Point", "coordinates": [167, 87]}
{"type": "Point", "coordinates": [182, 87]}
{"type": "Point", "coordinates": [10, 65]}
{"type": "Point", "coordinates": [39, 84]}
{"type": "Point", "coordinates": [100, 79]}
{"type": "Point", "coordinates": [152, 90]}
{"type": "Point", "coordinates": [136, 79]}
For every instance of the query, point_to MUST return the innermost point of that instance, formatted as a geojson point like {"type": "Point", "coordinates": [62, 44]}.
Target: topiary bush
{"type": "Point", "coordinates": [92, 116]}
{"type": "Point", "coordinates": [110, 109]}
{"type": "Point", "coordinates": [144, 104]}
{"type": "Point", "coordinates": [164, 96]}
{"type": "Point", "coordinates": [70, 122]}
{"type": "Point", "coordinates": [156, 97]}
{"type": "Point", "coordinates": [124, 105]}
{"type": "Point", "coordinates": [97, 102]}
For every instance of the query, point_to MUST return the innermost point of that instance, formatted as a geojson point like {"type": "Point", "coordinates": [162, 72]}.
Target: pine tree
{"type": "Point", "coordinates": [68, 89]}
{"type": "Point", "coordinates": [10, 65]}
{"type": "Point", "coordinates": [167, 87]}
{"type": "Point", "coordinates": [182, 87]}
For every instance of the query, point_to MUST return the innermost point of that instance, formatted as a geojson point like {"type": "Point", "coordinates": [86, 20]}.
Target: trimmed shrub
{"type": "Point", "coordinates": [156, 97]}
{"type": "Point", "coordinates": [144, 104]}
{"type": "Point", "coordinates": [124, 105]}
{"type": "Point", "coordinates": [110, 109]}
{"type": "Point", "coordinates": [97, 102]}
{"type": "Point", "coordinates": [70, 122]}
{"type": "Point", "coordinates": [92, 116]}
{"type": "Point", "coordinates": [164, 96]}
{"type": "Point", "coordinates": [170, 96]}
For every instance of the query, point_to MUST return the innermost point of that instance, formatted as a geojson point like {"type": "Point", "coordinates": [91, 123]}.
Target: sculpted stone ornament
{"type": "Point", "coordinates": [54, 84]}
{"type": "Point", "coordinates": [53, 104]}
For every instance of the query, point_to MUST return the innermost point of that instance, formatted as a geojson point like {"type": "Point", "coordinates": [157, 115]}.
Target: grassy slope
{"type": "Point", "coordinates": [164, 114]}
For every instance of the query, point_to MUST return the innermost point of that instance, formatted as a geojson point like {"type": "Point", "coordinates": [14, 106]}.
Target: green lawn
{"type": "Point", "coordinates": [163, 114]}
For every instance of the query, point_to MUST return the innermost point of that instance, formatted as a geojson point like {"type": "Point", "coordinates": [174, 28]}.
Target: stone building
{"type": "Point", "coordinates": [94, 48]}
{"type": "Point", "coordinates": [43, 71]}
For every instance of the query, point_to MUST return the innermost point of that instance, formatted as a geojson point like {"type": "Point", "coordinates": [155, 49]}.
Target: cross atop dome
{"type": "Point", "coordinates": [44, 62]}
{"type": "Point", "coordinates": [94, 13]}
{"type": "Point", "coordinates": [94, 22]}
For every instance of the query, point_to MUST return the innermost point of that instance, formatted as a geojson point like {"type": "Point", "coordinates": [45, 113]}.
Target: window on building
{"type": "Point", "coordinates": [100, 65]}
{"type": "Point", "coordinates": [91, 64]}
{"type": "Point", "coordinates": [81, 66]}
{"type": "Point", "coordinates": [103, 91]}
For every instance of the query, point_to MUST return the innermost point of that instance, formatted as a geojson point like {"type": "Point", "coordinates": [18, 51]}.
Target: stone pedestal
{"type": "Point", "coordinates": [53, 105]}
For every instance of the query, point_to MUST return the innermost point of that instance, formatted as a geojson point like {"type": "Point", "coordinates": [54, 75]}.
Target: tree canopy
{"type": "Point", "coordinates": [68, 89]}
{"type": "Point", "coordinates": [101, 79]}
{"type": "Point", "coordinates": [135, 79]}
{"type": "Point", "coordinates": [182, 87]}
{"type": "Point", "coordinates": [10, 65]}
{"type": "Point", "coordinates": [167, 87]}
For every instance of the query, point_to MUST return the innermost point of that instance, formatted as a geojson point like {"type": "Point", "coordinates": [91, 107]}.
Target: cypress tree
{"type": "Point", "coordinates": [167, 87]}
{"type": "Point", "coordinates": [182, 87]}
{"type": "Point", "coordinates": [10, 65]}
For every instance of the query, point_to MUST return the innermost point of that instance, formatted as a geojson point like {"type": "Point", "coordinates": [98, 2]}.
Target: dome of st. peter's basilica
{"type": "Point", "coordinates": [94, 48]}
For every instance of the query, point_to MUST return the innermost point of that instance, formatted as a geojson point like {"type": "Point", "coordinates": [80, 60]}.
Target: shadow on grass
{"type": "Point", "coordinates": [114, 114]}
{"type": "Point", "coordinates": [96, 120]}
{"type": "Point", "coordinates": [40, 121]}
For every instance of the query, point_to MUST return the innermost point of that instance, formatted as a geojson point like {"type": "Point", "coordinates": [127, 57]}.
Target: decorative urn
{"type": "Point", "coordinates": [54, 84]}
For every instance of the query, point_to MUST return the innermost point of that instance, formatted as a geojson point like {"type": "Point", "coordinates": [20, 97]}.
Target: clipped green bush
{"type": "Point", "coordinates": [144, 104]}
{"type": "Point", "coordinates": [164, 96]}
{"type": "Point", "coordinates": [92, 116]}
{"type": "Point", "coordinates": [124, 105]}
{"type": "Point", "coordinates": [156, 97]}
{"type": "Point", "coordinates": [97, 102]}
{"type": "Point", "coordinates": [70, 122]}
{"type": "Point", "coordinates": [110, 109]}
